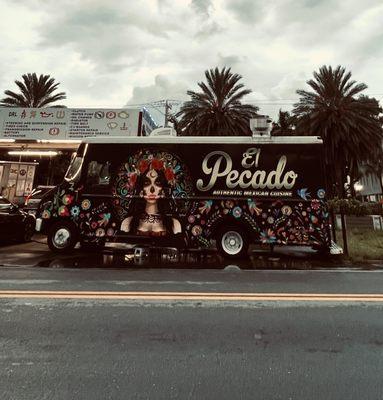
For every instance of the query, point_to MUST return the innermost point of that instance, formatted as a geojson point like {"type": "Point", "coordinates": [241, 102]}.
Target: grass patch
{"type": "Point", "coordinates": [363, 244]}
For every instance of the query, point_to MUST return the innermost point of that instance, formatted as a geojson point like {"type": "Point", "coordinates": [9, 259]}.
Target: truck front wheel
{"type": "Point", "coordinates": [233, 242]}
{"type": "Point", "coordinates": [62, 237]}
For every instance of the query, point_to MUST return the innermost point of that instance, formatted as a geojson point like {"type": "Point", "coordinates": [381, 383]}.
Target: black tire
{"type": "Point", "coordinates": [29, 230]}
{"type": "Point", "coordinates": [62, 236]}
{"type": "Point", "coordinates": [232, 242]}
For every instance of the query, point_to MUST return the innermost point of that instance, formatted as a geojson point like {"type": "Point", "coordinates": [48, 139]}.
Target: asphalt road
{"type": "Point", "coordinates": [37, 253]}
{"type": "Point", "coordinates": [143, 344]}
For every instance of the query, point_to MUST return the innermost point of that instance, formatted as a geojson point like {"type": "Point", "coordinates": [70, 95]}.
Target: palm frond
{"type": "Point", "coordinates": [34, 92]}
{"type": "Point", "coordinates": [217, 108]}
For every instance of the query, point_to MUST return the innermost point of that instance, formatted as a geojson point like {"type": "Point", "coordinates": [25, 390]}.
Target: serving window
{"type": "Point", "coordinates": [98, 177]}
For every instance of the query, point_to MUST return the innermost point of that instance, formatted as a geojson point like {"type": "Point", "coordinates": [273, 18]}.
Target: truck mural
{"type": "Point", "coordinates": [181, 193]}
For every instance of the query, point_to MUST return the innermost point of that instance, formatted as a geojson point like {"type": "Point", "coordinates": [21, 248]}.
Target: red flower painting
{"type": "Point", "coordinates": [169, 174]}
{"type": "Point", "coordinates": [143, 166]}
{"type": "Point", "coordinates": [157, 164]}
{"type": "Point", "coordinates": [132, 180]}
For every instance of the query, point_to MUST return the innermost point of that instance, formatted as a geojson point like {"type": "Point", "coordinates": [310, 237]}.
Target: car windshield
{"type": "Point", "coordinates": [73, 172]}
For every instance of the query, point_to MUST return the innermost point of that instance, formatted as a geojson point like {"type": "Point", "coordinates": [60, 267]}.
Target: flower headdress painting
{"type": "Point", "coordinates": [172, 173]}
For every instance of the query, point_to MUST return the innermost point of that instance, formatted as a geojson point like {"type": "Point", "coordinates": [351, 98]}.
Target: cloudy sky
{"type": "Point", "coordinates": [113, 53]}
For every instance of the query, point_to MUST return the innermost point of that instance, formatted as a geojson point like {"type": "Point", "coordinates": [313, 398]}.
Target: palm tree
{"type": "Point", "coordinates": [217, 110]}
{"type": "Point", "coordinates": [349, 125]}
{"type": "Point", "coordinates": [34, 92]}
{"type": "Point", "coordinates": [285, 126]}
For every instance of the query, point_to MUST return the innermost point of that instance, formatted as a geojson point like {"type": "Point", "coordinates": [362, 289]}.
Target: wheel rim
{"type": "Point", "coordinates": [61, 238]}
{"type": "Point", "coordinates": [232, 242]}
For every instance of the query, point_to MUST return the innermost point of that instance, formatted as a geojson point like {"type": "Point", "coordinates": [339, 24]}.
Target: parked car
{"type": "Point", "coordinates": [15, 223]}
{"type": "Point", "coordinates": [33, 200]}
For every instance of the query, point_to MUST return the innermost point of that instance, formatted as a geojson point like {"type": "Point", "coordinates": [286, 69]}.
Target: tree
{"type": "Point", "coordinates": [216, 110]}
{"type": "Point", "coordinates": [34, 92]}
{"type": "Point", "coordinates": [348, 123]}
{"type": "Point", "coordinates": [285, 126]}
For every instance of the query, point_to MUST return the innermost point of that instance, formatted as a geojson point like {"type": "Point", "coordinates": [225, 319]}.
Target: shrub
{"type": "Point", "coordinates": [355, 207]}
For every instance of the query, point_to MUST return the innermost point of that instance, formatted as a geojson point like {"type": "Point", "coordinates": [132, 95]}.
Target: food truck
{"type": "Point", "coordinates": [191, 192]}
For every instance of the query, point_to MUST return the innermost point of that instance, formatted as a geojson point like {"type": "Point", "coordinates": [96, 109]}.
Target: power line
{"type": "Point", "coordinates": [269, 101]}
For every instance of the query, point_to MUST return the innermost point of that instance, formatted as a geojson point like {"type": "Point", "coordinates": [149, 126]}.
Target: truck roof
{"type": "Point", "coordinates": [207, 139]}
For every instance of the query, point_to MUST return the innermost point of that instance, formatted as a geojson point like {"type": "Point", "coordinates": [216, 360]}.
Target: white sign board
{"type": "Point", "coordinates": [34, 123]}
{"type": "Point", "coordinates": [87, 122]}
{"type": "Point", "coordinates": [65, 123]}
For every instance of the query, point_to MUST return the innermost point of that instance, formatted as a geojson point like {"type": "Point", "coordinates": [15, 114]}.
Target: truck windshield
{"type": "Point", "coordinates": [74, 168]}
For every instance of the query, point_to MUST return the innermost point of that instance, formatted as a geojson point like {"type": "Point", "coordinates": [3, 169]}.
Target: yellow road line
{"type": "Point", "coordinates": [202, 296]}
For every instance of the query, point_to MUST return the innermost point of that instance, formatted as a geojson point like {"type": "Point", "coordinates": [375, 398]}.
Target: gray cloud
{"type": "Point", "coordinates": [229, 61]}
{"type": "Point", "coordinates": [286, 88]}
{"type": "Point", "coordinates": [208, 30]}
{"type": "Point", "coordinates": [202, 7]}
{"type": "Point", "coordinates": [107, 52]}
{"type": "Point", "coordinates": [247, 11]}
{"type": "Point", "coordinates": [105, 34]}
{"type": "Point", "coordinates": [163, 88]}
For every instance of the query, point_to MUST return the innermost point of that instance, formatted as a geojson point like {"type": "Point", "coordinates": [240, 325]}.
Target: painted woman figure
{"type": "Point", "coordinates": [150, 206]}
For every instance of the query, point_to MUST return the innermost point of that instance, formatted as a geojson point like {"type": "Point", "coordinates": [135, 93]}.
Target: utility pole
{"type": "Point", "coordinates": [168, 107]}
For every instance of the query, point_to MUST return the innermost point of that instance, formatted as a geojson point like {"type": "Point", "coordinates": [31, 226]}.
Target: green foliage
{"type": "Point", "coordinates": [364, 244]}
{"type": "Point", "coordinates": [348, 122]}
{"type": "Point", "coordinates": [285, 126]}
{"type": "Point", "coordinates": [216, 110]}
{"type": "Point", "coordinates": [34, 92]}
{"type": "Point", "coordinates": [355, 207]}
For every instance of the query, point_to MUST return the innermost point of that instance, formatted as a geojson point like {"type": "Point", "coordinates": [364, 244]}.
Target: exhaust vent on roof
{"type": "Point", "coordinates": [168, 131]}
{"type": "Point", "coordinates": [260, 125]}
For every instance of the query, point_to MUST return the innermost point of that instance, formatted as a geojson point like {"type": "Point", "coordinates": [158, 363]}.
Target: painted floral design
{"type": "Point", "coordinates": [196, 230]}
{"type": "Point", "coordinates": [100, 232]}
{"type": "Point", "coordinates": [63, 211]}
{"type": "Point", "coordinates": [105, 217]}
{"type": "Point", "coordinates": [237, 212]}
{"type": "Point", "coordinates": [253, 208]}
{"type": "Point", "coordinates": [315, 205]}
{"type": "Point", "coordinates": [272, 222]}
{"type": "Point", "coordinates": [268, 236]}
{"type": "Point", "coordinates": [321, 194]}
{"type": "Point", "coordinates": [85, 204]}
{"type": "Point", "coordinates": [46, 214]}
{"type": "Point", "coordinates": [75, 211]}
{"type": "Point", "coordinates": [205, 206]}
{"type": "Point", "coordinates": [67, 199]}
{"type": "Point", "coordinates": [286, 210]}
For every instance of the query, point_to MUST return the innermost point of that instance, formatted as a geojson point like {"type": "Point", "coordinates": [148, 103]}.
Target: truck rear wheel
{"type": "Point", "coordinates": [62, 237]}
{"type": "Point", "coordinates": [233, 242]}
